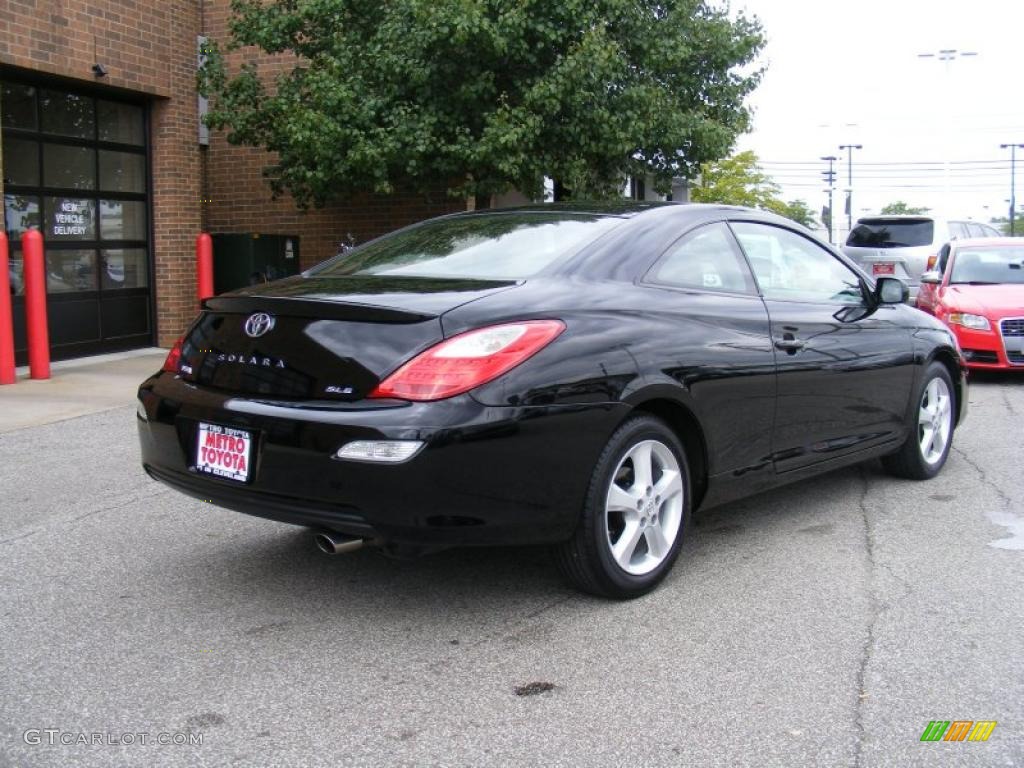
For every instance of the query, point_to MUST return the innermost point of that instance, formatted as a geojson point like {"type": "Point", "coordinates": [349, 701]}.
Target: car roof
{"type": "Point", "coordinates": [898, 217]}
{"type": "Point", "coordinates": [990, 242]}
{"type": "Point", "coordinates": [626, 209]}
{"type": "Point", "coordinates": [915, 217]}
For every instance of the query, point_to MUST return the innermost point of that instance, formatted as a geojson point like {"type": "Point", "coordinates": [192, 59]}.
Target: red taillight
{"type": "Point", "coordinates": [468, 360]}
{"type": "Point", "coordinates": [931, 262]}
{"type": "Point", "coordinates": [173, 359]}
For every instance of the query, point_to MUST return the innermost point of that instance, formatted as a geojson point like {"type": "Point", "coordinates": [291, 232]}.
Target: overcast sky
{"type": "Point", "coordinates": [841, 73]}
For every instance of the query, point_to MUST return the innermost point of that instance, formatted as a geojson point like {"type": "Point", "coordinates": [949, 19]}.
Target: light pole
{"type": "Point", "coordinates": [947, 56]}
{"type": "Point", "coordinates": [849, 181]}
{"type": "Point", "coordinates": [1013, 180]}
{"type": "Point", "coordinates": [830, 177]}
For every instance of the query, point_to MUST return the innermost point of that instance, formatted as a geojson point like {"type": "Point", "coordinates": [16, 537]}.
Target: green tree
{"type": "Point", "coordinates": [483, 96]}
{"type": "Point", "coordinates": [737, 180]}
{"type": "Point", "coordinates": [1002, 223]}
{"type": "Point", "coordinates": [899, 207]}
{"type": "Point", "coordinates": [797, 210]}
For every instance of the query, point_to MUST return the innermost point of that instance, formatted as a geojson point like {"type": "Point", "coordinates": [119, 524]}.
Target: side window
{"type": "Point", "coordinates": [706, 259]}
{"type": "Point", "coordinates": [943, 258]}
{"type": "Point", "coordinates": [790, 267]}
{"type": "Point", "coordinates": [975, 230]}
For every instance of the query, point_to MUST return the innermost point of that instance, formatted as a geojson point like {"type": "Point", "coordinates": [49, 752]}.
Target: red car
{"type": "Point", "coordinates": [976, 287]}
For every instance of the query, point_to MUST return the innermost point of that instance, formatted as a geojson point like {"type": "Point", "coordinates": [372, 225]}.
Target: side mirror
{"type": "Point", "coordinates": [931, 277]}
{"type": "Point", "coordinates": [890, 290]}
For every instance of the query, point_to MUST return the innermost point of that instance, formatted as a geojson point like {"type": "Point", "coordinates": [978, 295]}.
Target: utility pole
{"type": "Point", "coordinates": [830, 179]}
{"type": "Point", "coordinates": [849, 180]}
{"type": "Point", "coordinates": [1013, 181]}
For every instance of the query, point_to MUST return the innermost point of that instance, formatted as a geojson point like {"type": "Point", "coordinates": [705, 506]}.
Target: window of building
{"type": "Point", "coordinates": [76, 167]}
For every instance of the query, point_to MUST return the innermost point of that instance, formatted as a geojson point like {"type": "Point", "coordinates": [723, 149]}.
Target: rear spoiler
{"type": "Point", "coordinates": [322, 309]}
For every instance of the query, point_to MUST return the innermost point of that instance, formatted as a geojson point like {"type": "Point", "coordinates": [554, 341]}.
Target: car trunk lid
{"type": "Point", "coordinates": [320, 338]}
{"type": "Point", "coordinates": [906, 263]}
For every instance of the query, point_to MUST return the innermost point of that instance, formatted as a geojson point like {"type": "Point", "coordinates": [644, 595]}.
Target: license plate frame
{"type": "Point", "coordinates": [224, 452]}
{"type": "Point", "coordinates": [883, 269]}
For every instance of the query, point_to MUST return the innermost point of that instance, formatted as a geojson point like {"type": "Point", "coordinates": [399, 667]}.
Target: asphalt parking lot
{"type": "Point", "coordinates": [822, 624]}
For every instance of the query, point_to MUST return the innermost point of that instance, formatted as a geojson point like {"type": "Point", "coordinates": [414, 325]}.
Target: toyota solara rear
{"type": "Point", "coordinates": [550, 375]}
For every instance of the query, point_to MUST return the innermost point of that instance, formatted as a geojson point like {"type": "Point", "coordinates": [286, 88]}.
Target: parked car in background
{"type": "Point", "coordinates": [977, 289]}
{"type": "Point", "coordinates": [901, 246]}
{"type": "Point", "coordinates": [583, 376]}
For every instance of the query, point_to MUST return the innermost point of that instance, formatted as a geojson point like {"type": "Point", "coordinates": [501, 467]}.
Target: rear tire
{"type": "Point", "coordinates": [635, 513]}
{"type": "Point", "coordinates": [927, 446]}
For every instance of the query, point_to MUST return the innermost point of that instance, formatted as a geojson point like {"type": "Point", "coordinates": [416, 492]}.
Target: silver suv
{"type": "Point", "coordinates": [901, 246]}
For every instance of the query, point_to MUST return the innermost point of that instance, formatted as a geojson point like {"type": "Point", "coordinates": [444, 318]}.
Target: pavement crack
{"type": "Point", "coordinates": [983, 475]}
{"type": "Point", "coordinates": [158, 491]}
{"type": "Point", "coordinates": [517, 626]}
{"type": "Point", "coordinates": [135, 499]}
{"type": "Point", "coordinates": [904, 584]}
{"type": "Point", "coordinates": [18, 538]}
{"type": "Point", "coordinates": [1008, 517]}
{"type": "Point", "coordinates": [1006, 400]}
{"type": "Point", "coordinates": [875, 609]}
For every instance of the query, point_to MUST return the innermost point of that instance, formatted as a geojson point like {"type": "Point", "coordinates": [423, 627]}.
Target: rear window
{"type": "Point", "coordinates": [883, 233]}
{"type": "Point", "coordinates": [506, 246]}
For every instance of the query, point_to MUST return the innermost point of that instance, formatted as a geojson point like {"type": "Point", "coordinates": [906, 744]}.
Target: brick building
{"type": "Point", "coordinates": [101, 150]}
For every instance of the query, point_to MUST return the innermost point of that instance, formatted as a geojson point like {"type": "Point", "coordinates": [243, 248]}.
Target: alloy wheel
{"type": "Point", "coordinates": [934, 421]}
{"type": "Point", "coordinates": [644, 507]}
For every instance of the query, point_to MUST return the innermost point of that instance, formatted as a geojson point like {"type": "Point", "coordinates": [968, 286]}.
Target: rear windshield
{"type": "Point", "coordinates": [892, 234]}
{"type": "Point", "coordinates": [983, 266]}
{"type": "Point", "coordinates": [506, 246]}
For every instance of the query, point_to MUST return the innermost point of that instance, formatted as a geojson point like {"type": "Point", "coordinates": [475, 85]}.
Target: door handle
{"type": "Point", "coordinates": [790, 345]}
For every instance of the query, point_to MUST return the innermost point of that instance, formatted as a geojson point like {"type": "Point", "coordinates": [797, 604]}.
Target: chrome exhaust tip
{"type": "Point", "coordinates": [333, 543]}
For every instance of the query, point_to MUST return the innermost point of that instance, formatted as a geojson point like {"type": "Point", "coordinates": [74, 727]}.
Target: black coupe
{"type": "Point", "coordinates": [584, 376]}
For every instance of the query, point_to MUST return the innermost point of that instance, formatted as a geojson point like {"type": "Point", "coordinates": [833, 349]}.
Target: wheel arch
{"type": "Point", "coordinates": [687, 428]}
{"type": "Point", "coordinates": [948, 359]}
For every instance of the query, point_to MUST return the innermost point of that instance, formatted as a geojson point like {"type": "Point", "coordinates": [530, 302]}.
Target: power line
{"type": "Point", "coordinates": [893, 171]}
{"type": "Point", "coordinates": [883, 187]}
{"type": "Point", "coordinates": [967, 178]}
{"type": "Point", "coordinates": [890, 163]}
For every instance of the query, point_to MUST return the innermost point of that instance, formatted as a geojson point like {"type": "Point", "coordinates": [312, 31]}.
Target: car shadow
{"type": "Point", "coordinates": [986, 378]}
{"type": "Point", "coordinates": [289, 574]}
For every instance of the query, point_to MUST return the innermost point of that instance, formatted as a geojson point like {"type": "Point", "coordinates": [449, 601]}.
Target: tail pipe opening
{"type": "Point", "coordinates": [334, 543]}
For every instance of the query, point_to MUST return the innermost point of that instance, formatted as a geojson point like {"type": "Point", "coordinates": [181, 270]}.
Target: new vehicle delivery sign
{"type": "Point", "coordinates": [223, 451]}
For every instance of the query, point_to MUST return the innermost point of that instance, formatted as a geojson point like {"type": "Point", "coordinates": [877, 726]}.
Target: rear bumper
{"type": "Point", "coordinates": [487, 475]}
{"type": "Point", "coordinates": [891, 267]}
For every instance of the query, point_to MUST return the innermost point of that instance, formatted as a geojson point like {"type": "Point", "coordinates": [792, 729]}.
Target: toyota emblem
{"type": "Point", "coordinates": [259, 324]}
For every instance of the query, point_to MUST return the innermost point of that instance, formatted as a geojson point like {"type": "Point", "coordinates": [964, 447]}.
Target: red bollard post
{"type": "Point", "coordinates": [7, 375]}
{"type": "Point", "coordinates": [204, 265]}
{"type": "Point", "coordinates": [35, 305]}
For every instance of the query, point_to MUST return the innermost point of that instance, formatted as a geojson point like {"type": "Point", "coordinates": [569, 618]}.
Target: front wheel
{"type": "Point", "coordinates": [927, 447]}
{"type": "Point", "coordinates": [635, 513]}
